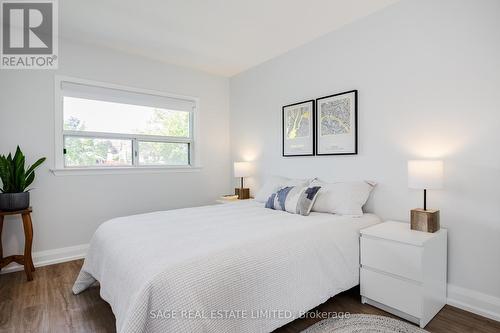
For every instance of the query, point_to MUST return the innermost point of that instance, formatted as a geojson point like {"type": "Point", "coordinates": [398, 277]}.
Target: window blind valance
{"type": "Point", "coordinates": [79, 90]}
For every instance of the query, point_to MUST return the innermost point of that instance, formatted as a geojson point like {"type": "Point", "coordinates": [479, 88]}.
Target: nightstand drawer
{"type": "Point", "coordinates": [393, 257]}
{"type": "Point", "coordinates": [399, 294]}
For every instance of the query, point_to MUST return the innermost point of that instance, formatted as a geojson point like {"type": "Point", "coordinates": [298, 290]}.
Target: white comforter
{"type": "Point", "coordinates": [223, 268]}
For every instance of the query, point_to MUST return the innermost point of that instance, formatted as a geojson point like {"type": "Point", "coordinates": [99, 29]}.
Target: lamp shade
{"type": "Point", "coordinates": [242, 169]}
{"type": "Point", "coordinates": [425, 174]}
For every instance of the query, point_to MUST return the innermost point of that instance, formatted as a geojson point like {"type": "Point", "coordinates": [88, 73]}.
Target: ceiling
{"type": "Point", "coordinates": [222, 37]}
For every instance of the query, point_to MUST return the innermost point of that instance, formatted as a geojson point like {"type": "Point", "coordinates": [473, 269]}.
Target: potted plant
{"type": "Point", "coordinates": [15, 179]}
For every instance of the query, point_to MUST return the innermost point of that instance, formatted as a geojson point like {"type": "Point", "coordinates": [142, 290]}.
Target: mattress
{"type": "Point", "coordinates": [235, 267]}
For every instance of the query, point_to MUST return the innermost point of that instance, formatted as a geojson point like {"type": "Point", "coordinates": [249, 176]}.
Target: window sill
{"type": "Point", "coordinates": [124, 170]}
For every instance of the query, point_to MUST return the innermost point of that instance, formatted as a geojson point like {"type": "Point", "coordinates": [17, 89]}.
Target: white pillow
{"type": "Point", "coordinates": [343, 198]}
{"type": "Point", "coordinates": [274, 183]}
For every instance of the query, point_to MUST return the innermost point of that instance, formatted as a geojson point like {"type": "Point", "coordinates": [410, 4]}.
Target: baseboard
{"type": "Point", "coordinates": [473, 301]}
{"type": "Point", "coordinates": [50, 257]}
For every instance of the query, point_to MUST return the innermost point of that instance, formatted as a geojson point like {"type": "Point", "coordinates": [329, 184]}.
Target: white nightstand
{"type": "Point", "coordinates": [404, 271]}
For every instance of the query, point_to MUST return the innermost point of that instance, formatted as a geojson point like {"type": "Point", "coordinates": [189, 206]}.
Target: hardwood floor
{"type": "Point", "coordinates": [46, 304]}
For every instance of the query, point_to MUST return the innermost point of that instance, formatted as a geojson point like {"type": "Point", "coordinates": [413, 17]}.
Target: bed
{"type": "Point", "coordinates": [235, 267]}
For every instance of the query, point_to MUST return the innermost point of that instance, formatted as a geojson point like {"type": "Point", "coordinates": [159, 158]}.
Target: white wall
{"type": "Point", "coordinates": [68, 209]}
{"type": "Point", "coordinates": [428, 75]}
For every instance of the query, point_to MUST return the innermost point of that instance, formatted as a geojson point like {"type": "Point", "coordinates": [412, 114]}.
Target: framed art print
{"type": "Point", "coordinates": [337, 124]}
{"type": "Point", "coordinates": [298, 129]}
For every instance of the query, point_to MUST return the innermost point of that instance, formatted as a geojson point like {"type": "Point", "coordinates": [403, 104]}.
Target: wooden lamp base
{"type": "Point", "coordinates": [242, 193]}
{"type": "Point", "coordinates": [424, 220]}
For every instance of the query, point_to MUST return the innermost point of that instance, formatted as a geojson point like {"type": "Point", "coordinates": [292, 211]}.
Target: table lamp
{"type": "Point", "coordinates": [242, 170]}
{"type": "Point", "coordinates": [425, 175]}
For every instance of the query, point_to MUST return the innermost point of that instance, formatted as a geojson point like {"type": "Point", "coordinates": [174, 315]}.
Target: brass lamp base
{"type": "Point", "coordinates": [424, 220]}
{"type": "Point", "coordinates": [242, 193]}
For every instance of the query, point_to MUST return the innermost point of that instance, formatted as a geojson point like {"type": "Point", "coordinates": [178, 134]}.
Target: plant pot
{"type": "Point", "coordinates": [14, 201]}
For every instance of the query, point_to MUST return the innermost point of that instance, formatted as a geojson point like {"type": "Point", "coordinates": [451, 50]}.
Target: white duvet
{"type": "Point", "coordinates": [224, 268]}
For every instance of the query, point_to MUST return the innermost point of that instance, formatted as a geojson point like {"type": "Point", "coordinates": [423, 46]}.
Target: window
{"type": "Point", "coordinates": [109, 126]}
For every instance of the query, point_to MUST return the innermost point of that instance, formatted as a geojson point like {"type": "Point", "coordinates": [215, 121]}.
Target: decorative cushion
{"type": "Point", "coordinates": [307, 199]}
{"type": "Point", "coordinates": [344, 198]}
{"type": "Point", "coordinates": [274, 183]}
{"type": "Point", "coordinates": [293, 199]}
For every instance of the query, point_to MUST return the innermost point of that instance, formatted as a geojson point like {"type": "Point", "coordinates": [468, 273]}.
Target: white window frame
{"type": "Point", "coordinates": [61, 133]}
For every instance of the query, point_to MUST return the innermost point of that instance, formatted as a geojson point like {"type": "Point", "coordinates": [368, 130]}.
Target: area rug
{"type": "Point", "coordinates": [360, 323]}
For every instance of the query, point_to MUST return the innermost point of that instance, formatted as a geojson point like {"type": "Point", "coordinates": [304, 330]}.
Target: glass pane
{"type": "Point", "coordinates": [163, 153]}
{"type": "Point", "coordinates": [97, 116]}
{"type": "Point", "coordinates": [83, 152]}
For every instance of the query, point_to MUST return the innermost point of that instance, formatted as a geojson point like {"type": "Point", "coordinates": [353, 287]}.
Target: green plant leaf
{"type": "Point", "coordinates": [19, 177]}
{"type": "Point", "coordinates": [16, 165]}
{"type": "Point", "coordinates": [4, 173]}
{"type": "Point", "coordinates": [7, 173]}
{"type": "Point", "coordinates": [29, 179]}
{"type": "Point", "coordinates": [18, 155]}
{"type": "Point", "coordinates": [35, 165]}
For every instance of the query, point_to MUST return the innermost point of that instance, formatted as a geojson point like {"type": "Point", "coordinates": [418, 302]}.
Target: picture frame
{"type": "Point", "coordinates": [298, 129]}
{"type": "Point", "coordinates": [336, 118]}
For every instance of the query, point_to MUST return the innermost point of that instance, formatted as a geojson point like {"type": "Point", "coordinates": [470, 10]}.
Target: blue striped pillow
{"type": "Point", "coordinates": [293, 199]}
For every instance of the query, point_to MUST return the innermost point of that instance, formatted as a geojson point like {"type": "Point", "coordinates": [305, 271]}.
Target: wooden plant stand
{"type": "Point", "coordinates": [25, 259]}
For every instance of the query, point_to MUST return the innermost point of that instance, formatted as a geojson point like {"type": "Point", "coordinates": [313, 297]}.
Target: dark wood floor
{"type": "Point", "coordinates": [46, 304]}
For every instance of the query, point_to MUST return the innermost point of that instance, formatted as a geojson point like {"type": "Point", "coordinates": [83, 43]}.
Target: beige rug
{"type": "Point", "coordinates": [361, 323]}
